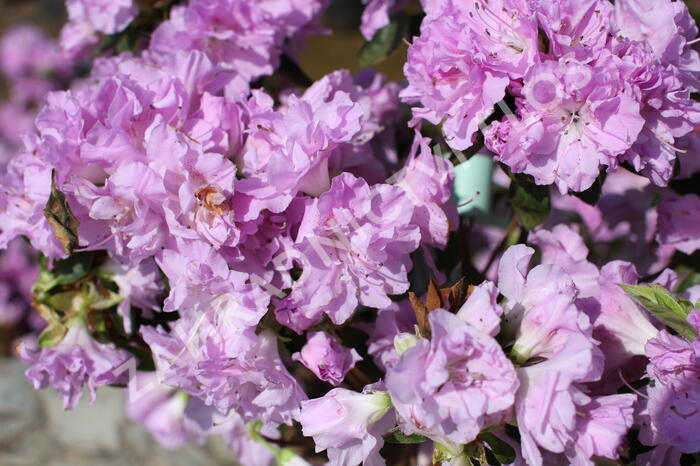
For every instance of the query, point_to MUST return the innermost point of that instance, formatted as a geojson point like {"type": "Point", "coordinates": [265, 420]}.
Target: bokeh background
{"type": "Point", "coordinates": [323, 54]}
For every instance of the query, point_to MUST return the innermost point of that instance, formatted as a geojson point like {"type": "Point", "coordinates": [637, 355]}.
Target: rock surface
{"type": "Point", "coordinates": [35, 430]}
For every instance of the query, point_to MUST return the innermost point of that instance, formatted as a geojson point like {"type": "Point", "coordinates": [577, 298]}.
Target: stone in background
{"type": "Point", "coordinates": [35, 430]}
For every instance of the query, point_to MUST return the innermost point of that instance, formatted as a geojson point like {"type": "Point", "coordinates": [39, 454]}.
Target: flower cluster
{"type": "Point", "coordinates": [282, 261]}
{"type": "Point", "coordinates": [569, 327]}
{"type": "Point", "coordinates": [594, 84]}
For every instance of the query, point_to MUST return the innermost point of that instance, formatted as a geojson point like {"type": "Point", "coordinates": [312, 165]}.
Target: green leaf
{"type": "Point", "coordinates": [46, 279]}
{"type": "Point", "coordinates": [104, 300]}
{"type": "Point", "coordinates": [692, 279]}
{"type": "Point", "coordinates": [476, 452]}
{"type": "Point", "coordinates": [529, 201]}
{"type": "Point", "coordinates": [73, 268]}
{"type": "Point", "coordinates": [65, 272]}
{"type": "Point", "coordinates": [396, 436]}
{"type": "Point", "coordinates": [127, 41]}
{"type": "Point", "coordinates": [65, 302]}
{"type": "Point", "coordinates": [52, 335]}
{"type": "Point", "coordinates": [667, 308]}
{"type": "Point", "coordinates": [491, 458]}
{"type": "Point", "coordinates": [504, 453]}
{"type": "Point", "coordinates": [383, 43]}
{"type": "Point", "coordinates": [106, 43]}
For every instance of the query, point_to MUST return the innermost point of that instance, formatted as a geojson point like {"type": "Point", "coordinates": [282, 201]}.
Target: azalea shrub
{"type": "Point", "coordinates": [491, 260]}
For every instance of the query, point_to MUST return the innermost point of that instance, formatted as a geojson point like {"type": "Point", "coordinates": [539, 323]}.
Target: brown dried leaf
{"type": "Point", "coordinates": [470, 290]}
{"type": "Point", "coordinates": [446, 295]}
{"type": "Point", "coordinates": [450, 298]}
{"type": "Point", "coordinates": [455, 295]}
{"type": "Point", "coordinates": [421, 313]}
{"type": "Point", "coordinates": [433, 300]}
{"type": "Point", "coordinates": [60, 216]}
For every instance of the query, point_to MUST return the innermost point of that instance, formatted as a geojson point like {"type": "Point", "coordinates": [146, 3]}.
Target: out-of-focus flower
{"type": "Point", "coordinates": [679, 222]}
{"type": "Point", "coordinates": [377, 14]}
{"type": "Point", "coordinates": [88, 18]}
{"type": "Point", "coordinates": [76, 362]}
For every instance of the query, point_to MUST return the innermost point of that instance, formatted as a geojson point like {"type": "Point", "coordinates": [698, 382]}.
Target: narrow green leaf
{"type": "Point", "coordinates": [691, 279]}
{"type": "Point", "coordinates": [396, 436]}
{"type": "Point", "coordinates": [504, 453]}
{"type": "Point", "coordinates": [529, 201]}
{"type": "Point", "coordinates": [383, 43]}
{"type": "Point", "coordinates": [44, 283]}
{"type": "Point", "coordinates": [667, 308]}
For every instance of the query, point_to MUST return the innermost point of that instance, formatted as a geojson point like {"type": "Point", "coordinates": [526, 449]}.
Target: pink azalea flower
{"type": "Point", "coordinates": [77, 361]}
{"type": "Point", "coordinates": [602, 425]}
{"type": "Point", "coordinates": [329, 360]}
{"type": "Point", "coordinates": [445, 78]}
{"type": "Point", "coordinates": [671, 411]}
{"type": "Point", "coordinates": [427, 180]}
{"type": "Point", "coordinates": [570, 125]}
{"type": "Point", "coordinates": [355, 242]}
{"type": "Point", "coordinates": [565, 247]}
{"type": "Point", "coordinates": [453, 386]}
{"type": "Point", "coordinates": [348, 425]}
